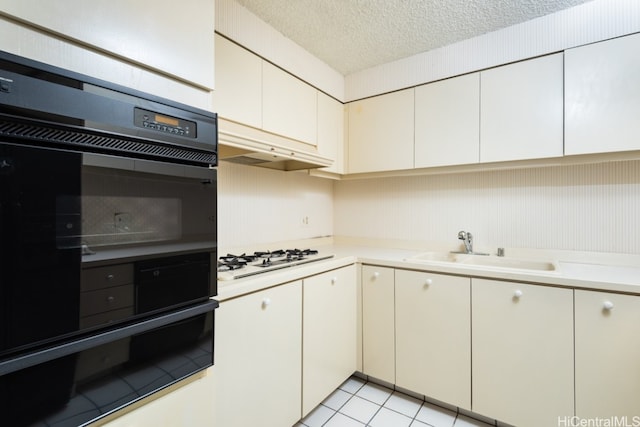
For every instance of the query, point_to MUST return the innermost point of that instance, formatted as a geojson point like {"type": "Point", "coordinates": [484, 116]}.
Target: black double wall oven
{"type": "Point", "coordinates": [107, 240]}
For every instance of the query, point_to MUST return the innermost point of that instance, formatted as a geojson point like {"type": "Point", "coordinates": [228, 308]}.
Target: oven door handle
{"type": "Point", "coordinates": [41, 356]}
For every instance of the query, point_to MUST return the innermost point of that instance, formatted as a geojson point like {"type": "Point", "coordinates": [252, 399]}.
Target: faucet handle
{"type": "Point", "coordinates": [462, 235]}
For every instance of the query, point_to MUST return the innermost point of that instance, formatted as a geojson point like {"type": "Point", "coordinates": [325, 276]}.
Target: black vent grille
{"type": "Point", "coordinates": [106, 143]}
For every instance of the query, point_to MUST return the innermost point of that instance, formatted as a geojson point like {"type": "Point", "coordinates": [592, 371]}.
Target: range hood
{"type": "Point", "coordinates": [245, 145]}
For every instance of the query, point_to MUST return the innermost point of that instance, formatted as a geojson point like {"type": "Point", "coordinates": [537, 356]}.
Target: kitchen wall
{"type": "Point", "coordinates": [258, 207]}
{"type": "Point", "coordinates": [578, 207]}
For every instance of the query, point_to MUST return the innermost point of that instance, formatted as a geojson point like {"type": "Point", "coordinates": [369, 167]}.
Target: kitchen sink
{"type": "Point", "coordinates": [489, 261]}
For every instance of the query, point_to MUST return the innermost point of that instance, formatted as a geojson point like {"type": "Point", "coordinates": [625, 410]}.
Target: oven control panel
{"type": "Point", "coordinates": [163, 123]}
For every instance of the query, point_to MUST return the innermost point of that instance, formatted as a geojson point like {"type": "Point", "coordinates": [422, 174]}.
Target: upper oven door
{"type": "Point", "coordinates": [39, 248]}
{"type": "Point", "coordinates": [140, 204]}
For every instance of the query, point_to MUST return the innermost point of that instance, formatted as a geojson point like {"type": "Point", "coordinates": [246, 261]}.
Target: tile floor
{"type": "Point", "coordinates": [358, 403]}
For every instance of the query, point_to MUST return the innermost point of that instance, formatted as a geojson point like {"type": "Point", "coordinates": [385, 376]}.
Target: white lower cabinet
{"type": "Point", "coordinates": [433, 335]}
{"type": "Point", "coordinates": [329, 331]}
{"type": "Point", "coordinates": [607, 334]}
{"type": "Point", "coordinates": [378, 325]}
{"type": "Point", "coordinates": [258, 357]}
{"type": "Point", "coordinates": [522, 347]}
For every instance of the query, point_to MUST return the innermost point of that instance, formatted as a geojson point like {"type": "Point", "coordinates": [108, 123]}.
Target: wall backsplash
{"type": "Point", "coordinates": [577, 207]}
{"type": "Point", "coordinates": [259, 206]}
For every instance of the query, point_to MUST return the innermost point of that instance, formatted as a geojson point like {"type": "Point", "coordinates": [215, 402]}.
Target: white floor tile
{"type": "Point", "coordinates": [318, 416]}
{"type": "Point", "coordinates": [337, 399]}
{"type": "Point", "coordinates": [374, 393]}
{"type": "Point", "coordinates": [352, 385]}
{"type": "Point", "coordinates": [417, 423]}
{"type": "Point", "coordinates": [436, 416]}
{"type": "Point", "coordinates": [360, 409]}
{"type": "Point", "coordinates": [463, 421]}
{"type": "Point", "coordinates": [339, 420]}
{"type": "Point", "coordinates": [388, 418]}
{"type": "Point", "coordinates": [404, 404]}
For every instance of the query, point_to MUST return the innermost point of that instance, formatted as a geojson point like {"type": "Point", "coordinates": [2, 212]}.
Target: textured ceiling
{"type": "Point", "coordinates": [352, 35]}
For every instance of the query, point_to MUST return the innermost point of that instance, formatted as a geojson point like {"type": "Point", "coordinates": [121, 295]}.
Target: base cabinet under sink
{"type": "Point", "coordinates": [433, 335]}
{"type": "Point", "coordinates": [522, 347]}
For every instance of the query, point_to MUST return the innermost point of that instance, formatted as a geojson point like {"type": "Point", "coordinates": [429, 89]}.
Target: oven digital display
{"type": "Point", "coordinates": [167, 120]}
{"type": "Point", "coordinates": [166, 124]}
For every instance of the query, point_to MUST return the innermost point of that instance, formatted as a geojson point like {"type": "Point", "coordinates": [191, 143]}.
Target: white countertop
{"type": "Point", "coordinates": [592, 271]}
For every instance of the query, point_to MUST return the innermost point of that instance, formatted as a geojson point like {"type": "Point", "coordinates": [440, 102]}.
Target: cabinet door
{"type": "Point", "coordinates": [521, 110]}
{"type": "Point", "coordinates": [238, 94]}
{"type": "Point", "coordinates": [381, 133]}
{"type": "Point", "coordinates": [329, 330]}
{"type": "Point", "coordinates": [175, 40]}
{"type": "Point", "coordinates": [258, 358]}
{"type": "Point", "coordinates": [433, 336]}
{"type": "Point", "coordinates": [522, 347]}
{"type": "Point", "coordinates": [289, 105]}
{"type": "Point", "coordinates": [607, 355]}
{"type": "Point", "coordinates": [331, 132]}
{"type": "Point", "coordinates": [602, 96]}
{"type": "Point", "coordinates": [448, 122]}
{"type": "Point", "coordinates": [378, 325]}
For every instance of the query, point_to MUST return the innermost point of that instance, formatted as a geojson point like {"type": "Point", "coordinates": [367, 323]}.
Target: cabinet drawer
{"type": "Point", "coordinates": [106, 317]}
{"type": "Point", "coordinates": [103, 300]}
{"type": "Point", "coordinates": [106, 277]}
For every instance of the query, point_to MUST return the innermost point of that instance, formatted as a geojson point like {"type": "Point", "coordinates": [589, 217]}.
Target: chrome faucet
{"type": "Point", "coordinates": [467, 239]}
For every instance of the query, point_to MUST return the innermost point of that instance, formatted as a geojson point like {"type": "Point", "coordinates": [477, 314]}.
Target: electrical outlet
{"type": "Point", "coordinates": [305, 221]}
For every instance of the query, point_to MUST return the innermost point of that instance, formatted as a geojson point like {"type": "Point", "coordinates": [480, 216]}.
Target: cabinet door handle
{"type": "Point", "coordinates": [376, 275]}
{"type": "Point", "coordinates": [428, 282]}
{"type": "Point", "coordinates": [111, 299]}
{"type": "Point", "coordinates": [607, 305]}
{"type": "Point", "coordinates": [266, 301]}
{"type": "Point", "coordinates": [517, 294]}
{"type": "Point", "coordinates": [110, 277]}
{"type": "Point", "coordinates": [334, 280]}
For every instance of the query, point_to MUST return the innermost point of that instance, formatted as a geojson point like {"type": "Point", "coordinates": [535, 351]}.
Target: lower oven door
{"type": "Point", "coordinates": [75, 383]}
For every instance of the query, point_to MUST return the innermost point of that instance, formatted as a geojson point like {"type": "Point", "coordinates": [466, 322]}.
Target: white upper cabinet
{"type": "Point", "coordinates": [602, 97]}
{"type": "Point", "coordinates": [521, 109]}
{"type": "Point", "coordinates": [381, 132]}
{"type": "Point", "coordinates": [289, 105]}
{"type": "Point", "coordinates": [331, 131]}
{"type": "Point", "coordinates": [176, 40]}
{"type": "Point", "coordinates": [447, 122]}
{"type": "Point", "coordinates": [238, 94]}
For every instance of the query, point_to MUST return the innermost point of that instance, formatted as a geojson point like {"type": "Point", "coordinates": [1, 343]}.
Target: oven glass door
{"type": "Point", "coordinates": [39, 256]}
{"type": "Point", "coordinates": [78, 382]}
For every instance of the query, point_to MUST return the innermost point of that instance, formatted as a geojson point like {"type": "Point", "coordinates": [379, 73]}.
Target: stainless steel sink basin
{"type": "Point", "coordinates": [480, 261]}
